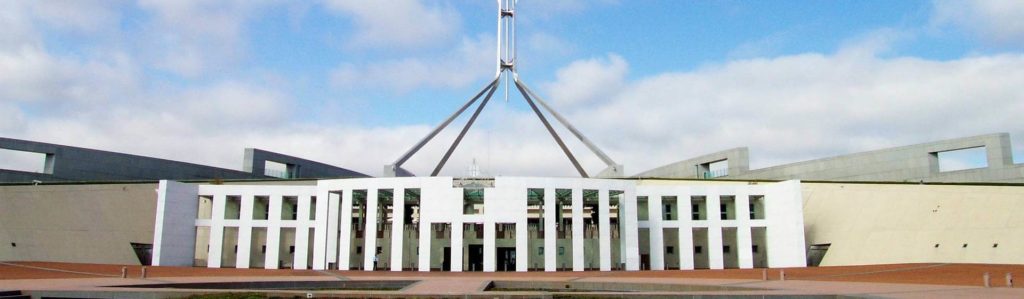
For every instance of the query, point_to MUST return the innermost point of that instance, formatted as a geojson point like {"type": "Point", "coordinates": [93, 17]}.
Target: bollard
{"type": "Point", "coordinates": [764, 274]}
{"type": "Point", "coordinates": [143, 271]}
{"type": "Point", "coordinates": [988, 282]}
{"type": "Point", "coordinates": [124, 272]}
{"type": "Point", "coordinates": [1009, 280]}
{"type": "Point", "coordinates": [782, 274]}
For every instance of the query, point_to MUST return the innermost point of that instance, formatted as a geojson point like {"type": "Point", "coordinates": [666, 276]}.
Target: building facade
{"type": "Point", "coordinates": [493, 224]}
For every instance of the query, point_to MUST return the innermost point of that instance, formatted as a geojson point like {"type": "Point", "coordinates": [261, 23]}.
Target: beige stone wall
{"type": "Point", "coordinates": [76, 223]}
{"type": "Point", "coordinates": [902, 223]}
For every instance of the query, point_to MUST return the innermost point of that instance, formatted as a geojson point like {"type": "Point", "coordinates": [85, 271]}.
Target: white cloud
{"type": "Point", "coordinates": [996, 21]}
{"type": "Point", "coordinates": [192, 37]}
{"type": "Point", "coordinates": [472, 60]}
{"type": "Point", "coordinates": [30, 74]}
{"type": "Point", "coordinates": [85, 16]}
{"type": "Point", "coordinates": [400, 23]}
{"type": "Point", "coordinates": [588, 81]}
{"type": "Point", "coordinates": [808, 106]}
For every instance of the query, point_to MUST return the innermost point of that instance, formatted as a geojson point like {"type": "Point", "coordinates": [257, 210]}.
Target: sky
{"type": "Point", "coordinates": [356, 83]}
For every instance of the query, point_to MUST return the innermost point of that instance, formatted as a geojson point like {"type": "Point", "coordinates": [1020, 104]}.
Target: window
{"type": "Point", "coordinates": [264, 249]}
{"type": "Point", "coordinates": [561, 250]}
{"type": "Point", "coordinates": [756, 206]}
{"type": "Point", "coordinates": [726, 249]}
{"type": "Point", "coordinates": [541, 249]}
{"type": "Point", "coordinates": [379, 250]}
{"type": "Point", "coordinates": [960, 159]}
{"type": "Point", "coordinates": [291, 249]}
{"type": "Point", "coordinates": [26, 161]}
{"type": "Point", "coordinates": [695, 212]}
{"type": "Point", "coordinates": [641, 208]}
{"type": "Point", "coordinates": [698, 249]}
{"type": "Point", "coordinates": [359, 249]}
{"type": "Point", "coordinates": [472, 201]}
{"type": "Point", "coordinates": [670, 250]}
{"type": "Point", "coordinates": [724, 211]}
{"type": "Point", "coordinates": [754, 248]}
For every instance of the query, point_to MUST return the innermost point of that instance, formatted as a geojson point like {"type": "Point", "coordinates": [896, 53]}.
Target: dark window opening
{"type": "Point", "coordinates": [698, 249]}
{"type": "Point", "coordinates": [291, 249]}
{"type": "Point", "coordinates": [726, 249]}
{"type": "Point", "coordinates": [143, 251]}
{"type": "Point", "coordinates": [670, 250]}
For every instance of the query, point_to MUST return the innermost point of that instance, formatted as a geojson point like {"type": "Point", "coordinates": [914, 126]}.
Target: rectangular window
{"type": "Point", "coordinates": [726, 249]}
{"type": "Point", "coordinates": [727, 207]}
{"type": "Point", "coordinates": [698, 249]}
{"type": "Point", "coordinates": [233, 208]}
{"type": "Point", "coordinates": [670, 250]}
{"type": "Point", "coordinates": [961, 159]}
{"type": "Point", "coordinates": [472, 201]}
{"type": "Point", "coordinates": [756, 206]}
{"type": "Point", "coordinates": [641, 208]}
{"type": "Point", "coordinates": [26, 161]}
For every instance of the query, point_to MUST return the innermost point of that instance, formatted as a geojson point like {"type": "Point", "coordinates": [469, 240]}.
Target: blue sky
{"type": "Point", "coordinates": [355, 83]}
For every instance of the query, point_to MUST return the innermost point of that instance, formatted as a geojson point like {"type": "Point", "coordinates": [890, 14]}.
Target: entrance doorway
{"type": "Point", "coordinates": [475, 258]}
{"type": "Point", "coordinates": [506, 258]}
{"type": "Point", "coordinates": [446, 260]}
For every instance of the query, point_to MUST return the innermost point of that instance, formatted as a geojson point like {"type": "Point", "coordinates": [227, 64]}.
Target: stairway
{"type": "Point", "coordinates": [13, 295]}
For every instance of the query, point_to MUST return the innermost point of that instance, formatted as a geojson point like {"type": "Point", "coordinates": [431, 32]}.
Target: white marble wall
{"type": "Point", "coordinates": [506, 202]}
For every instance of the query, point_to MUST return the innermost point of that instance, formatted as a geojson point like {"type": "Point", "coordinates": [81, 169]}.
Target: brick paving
{"type": "Point", "coordinates": [897, 280]}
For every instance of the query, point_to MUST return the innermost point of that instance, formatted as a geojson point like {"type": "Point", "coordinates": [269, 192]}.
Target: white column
{"type": "Point", "coordinates": [550, 227]}
{"type": "Point", "coordinates": [332, 220]}
{"type": "Point", "coordinates": [685, 229]}
{"type": "Point", "coordinates": [345, 235]}
{"type": "Point", "coordinates": [426, 236]}
{"type": "Point", "coordinates": [631, 237]}
{"type": "Point", "coordinates": [657, 235]}
{"type": "Point", "coordinates": [216, 232]}
{"type": "Point", "coordinates": [273, 233]}
{"type": "Point", "coordinates": [744, 242]}
{"type": "Point", "coordinates": [456, 244]}
{"type": "Point", "coordinates": [522, 242]}
{"type": "Point", "coordinates": [716, 259]}
{"type": "Point", "coordinates": [244, 232]}
{"type": "Point", "coordinates": [302, 233]}
{"type": "Point", "coordinates": [489, 244]}
{"type": "Point", "coordinates": [577, 229]}
{"type": "Point", "coordinates": [397, 228]}
{"type": "Point", "coordinates": [370, 247]}
{"type": "Point", "coordinates": [604, 231]}
{"type": "Point", "coordinates": [321, 255]}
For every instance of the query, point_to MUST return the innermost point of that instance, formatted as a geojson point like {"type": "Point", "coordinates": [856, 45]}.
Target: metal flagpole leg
{"type": "Point", "coordinates": [551, 130]}
{"type": "Point", "coordinates": [398, 163]}
{"type": "Point", "coordinates": [464, 130]}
